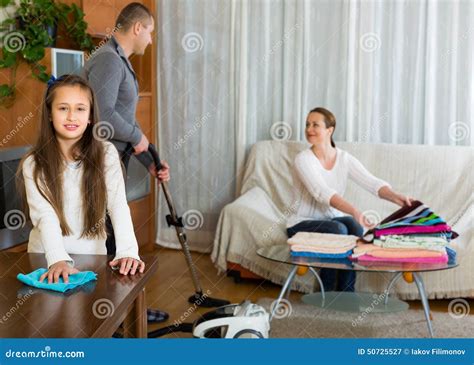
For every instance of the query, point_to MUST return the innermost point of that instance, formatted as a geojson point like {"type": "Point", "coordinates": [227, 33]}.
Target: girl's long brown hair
{"type": "Point", "coordinates": [50, 164]}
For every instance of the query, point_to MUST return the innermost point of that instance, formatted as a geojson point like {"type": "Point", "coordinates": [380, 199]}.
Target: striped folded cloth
{"type": "Point", "coordinates": [415, 219]}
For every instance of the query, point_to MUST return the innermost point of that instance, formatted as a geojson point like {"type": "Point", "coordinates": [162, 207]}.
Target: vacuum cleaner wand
{"type": "Point", "coordinates": [198, 298]}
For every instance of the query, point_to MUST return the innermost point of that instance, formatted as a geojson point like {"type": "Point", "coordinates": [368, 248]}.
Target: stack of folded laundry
{"type": "Point", "coordinates": [322, 245]}
{"type": "Point", "coordinates": [411, 234]}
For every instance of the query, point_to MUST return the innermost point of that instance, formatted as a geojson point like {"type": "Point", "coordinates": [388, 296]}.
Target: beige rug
{"type": "Point", "coordinates": [298, 320]}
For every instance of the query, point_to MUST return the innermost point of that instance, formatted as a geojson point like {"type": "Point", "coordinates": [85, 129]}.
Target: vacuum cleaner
{"type": "Point", "coordinates": [198, 298]}
{"type": "Point", "coordinates": [244, 320]}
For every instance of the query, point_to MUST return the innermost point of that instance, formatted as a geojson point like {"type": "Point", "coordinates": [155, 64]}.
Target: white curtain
{"type": "Point", "coordinates": [234, 72]}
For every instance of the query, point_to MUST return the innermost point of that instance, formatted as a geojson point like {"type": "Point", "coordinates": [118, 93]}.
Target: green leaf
{"type": "Point", "coordinates": [8, 60]}
{"type": "Point", "coordinates": [32, 54]}
{"type": "Point", "coordinates": [5, 3]}
{"type": "Point", "coordinates": [6, 90]}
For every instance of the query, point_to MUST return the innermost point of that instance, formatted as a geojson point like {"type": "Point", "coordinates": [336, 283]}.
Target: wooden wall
{"type": "Point", "coordinates": [100, 15]}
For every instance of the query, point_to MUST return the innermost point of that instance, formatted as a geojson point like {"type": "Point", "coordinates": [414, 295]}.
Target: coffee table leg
{"type": "Point", "coordinates": [315, 273]}
{"type": "Point", "coordinates": [390, 285]}
{"type": "Point", "coordinates": [424, 300]}
{"type": "Point", "coordinates": [286, 285]}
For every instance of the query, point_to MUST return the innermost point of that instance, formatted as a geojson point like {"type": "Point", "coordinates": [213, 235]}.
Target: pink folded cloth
{"type": "Point", "coordinates": [420, 260]}
{"type": "Point", "coordinates": [412, 229]}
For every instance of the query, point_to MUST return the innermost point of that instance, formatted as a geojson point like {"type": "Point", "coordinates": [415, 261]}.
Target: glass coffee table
{"type": "Point", "coordinates": [352, 301]}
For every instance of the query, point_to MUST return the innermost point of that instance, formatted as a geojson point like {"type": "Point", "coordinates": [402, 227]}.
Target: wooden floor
{"type": "Point", "coordinates": [171, 286]}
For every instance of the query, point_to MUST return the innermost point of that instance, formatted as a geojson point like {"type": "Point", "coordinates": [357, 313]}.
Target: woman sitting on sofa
{"type": "Point", "coordinates": [321, 177]}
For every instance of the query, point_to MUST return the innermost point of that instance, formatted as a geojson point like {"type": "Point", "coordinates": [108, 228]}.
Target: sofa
{"type": "Point", "coordinates": [440, 176]}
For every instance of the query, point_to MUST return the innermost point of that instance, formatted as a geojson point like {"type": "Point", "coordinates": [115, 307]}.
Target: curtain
{"type": "Point", "coordinates": [232, 73]}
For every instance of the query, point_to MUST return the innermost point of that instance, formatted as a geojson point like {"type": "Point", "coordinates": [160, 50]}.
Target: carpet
{"type": "Point", "coordinates": [298, 320]}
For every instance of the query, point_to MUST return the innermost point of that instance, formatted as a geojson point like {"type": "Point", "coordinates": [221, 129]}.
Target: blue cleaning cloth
{"type": "Point", "coordinates": [75, 280]}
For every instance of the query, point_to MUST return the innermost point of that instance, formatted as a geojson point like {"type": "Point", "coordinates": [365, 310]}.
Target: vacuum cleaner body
{"type": "Point", "coordinates": [244, 320]}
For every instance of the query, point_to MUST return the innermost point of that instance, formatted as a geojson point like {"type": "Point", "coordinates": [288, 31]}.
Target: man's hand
{"type": "Point", "coordinates": [142, 146]}
{"type": "Point", "coordinates": [163, 174]}
{"type": "Point", "coordinates": [58, 269]}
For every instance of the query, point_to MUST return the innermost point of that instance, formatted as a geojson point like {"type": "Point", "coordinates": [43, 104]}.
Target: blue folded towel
{"type": "Point", "coordinates": [322, 255]}
{"type": "Point", "coordinates": [75, 280]}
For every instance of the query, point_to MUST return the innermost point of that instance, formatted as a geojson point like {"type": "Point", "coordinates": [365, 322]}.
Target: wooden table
{"type": "Point", "coordinates": [95, 309]}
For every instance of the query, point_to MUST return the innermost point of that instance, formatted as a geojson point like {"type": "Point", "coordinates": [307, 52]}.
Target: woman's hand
{"type": "Point", "coordinates": [163, 174]}
{"type": "Point", "coordinates": [403, 200]}
{"type": "Point", "coordinates": [58, 269]}
{"type": "Point", "coordinates": [363, 220]}
{"type": "Point", "coordinates": [128, 265]}
{"type": "Point", "coordinates": [388, 194]}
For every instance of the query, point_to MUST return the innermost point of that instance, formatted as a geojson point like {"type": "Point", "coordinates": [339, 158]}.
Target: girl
{"type": "Point", "coordinates": [70, 179]}
{"type": "Point", "coordinates": [321, 178]}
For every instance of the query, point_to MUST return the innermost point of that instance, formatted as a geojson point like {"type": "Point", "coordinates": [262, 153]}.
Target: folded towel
{"type": "Point", "coordinates": [376, 251]}
{"type": "Point", "coordinates": [419, 260]}
{"type": "Point", "coordinates": [411, 241]}
{"type": "Point", "coordinates": [322, 255]}
{"type": "Point", "coordinates": [306, 248]}
{"type": "Point", "coordinates": [75, 280]}
{"type": "Point", "coordinates": [415, 219]}
{"type": "Point", "coordinates": [411, 230]}
{"type": "Point", "coordinates": [327, 240]}
{"type": "Point", "coordinates": [451, 254]}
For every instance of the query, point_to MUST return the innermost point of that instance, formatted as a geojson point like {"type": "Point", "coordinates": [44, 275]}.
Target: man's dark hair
{"type": "Point", "coordinates": [132, 13]}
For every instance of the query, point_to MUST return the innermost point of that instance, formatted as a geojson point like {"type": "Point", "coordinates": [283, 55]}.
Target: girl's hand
{"type": "Point", "coordinates": [60, 268]}
{"type": "Point", "coordinates": [128, 265]}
